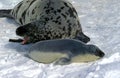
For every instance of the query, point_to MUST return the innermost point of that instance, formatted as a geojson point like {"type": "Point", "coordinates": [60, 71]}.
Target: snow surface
{"type": "Point", "coordinates": [100, 20]}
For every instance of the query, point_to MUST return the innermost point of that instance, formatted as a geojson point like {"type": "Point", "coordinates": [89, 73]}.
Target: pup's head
{"type": "Point", "coordinates": [95, 50]}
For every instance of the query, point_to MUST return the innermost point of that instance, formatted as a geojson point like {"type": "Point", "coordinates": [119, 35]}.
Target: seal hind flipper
{"type": "Point", "coordinates": [82, 37]}
{"type": "Point", "coordinates": [5, 13]}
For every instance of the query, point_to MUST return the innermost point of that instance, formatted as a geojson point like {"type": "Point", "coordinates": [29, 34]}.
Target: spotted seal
{"type": "Point", "coordinates": [64, 51]}
{"type": "Point", "coordinates": [46, 20]}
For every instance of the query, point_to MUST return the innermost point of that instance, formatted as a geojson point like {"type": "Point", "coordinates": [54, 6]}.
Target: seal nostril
{"type": "Point", "coordinates": [100, 53]}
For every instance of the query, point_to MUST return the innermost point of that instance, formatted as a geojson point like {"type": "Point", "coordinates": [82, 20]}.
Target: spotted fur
{"type": "Point", "coordinates": [47, 19]}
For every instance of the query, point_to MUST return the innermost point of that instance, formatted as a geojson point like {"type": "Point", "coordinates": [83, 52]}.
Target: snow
{"type": "Point", "coordinates": [100, 20]}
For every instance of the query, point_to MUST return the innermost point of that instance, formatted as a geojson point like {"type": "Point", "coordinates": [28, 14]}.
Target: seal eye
{"type": "Point", "coordinates": [21, 31]}
{"type": "Point", "coordinates": [94, 49]}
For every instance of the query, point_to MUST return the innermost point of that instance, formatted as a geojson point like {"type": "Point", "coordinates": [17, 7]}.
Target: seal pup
{"type": "Point", "coordinates": [64, 51]}
{"type": "Point", "coordinates": [45, 20]}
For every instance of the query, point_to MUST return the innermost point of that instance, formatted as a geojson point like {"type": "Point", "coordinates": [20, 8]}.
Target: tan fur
{"type": "Point", "coordinates": [47, 57]}
{"type": "Point", "coordinates": [84, 58]}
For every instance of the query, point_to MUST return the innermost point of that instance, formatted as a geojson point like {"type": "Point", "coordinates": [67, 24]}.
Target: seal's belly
{"type": "Point", "coordinates": [45, 57]}
{"type": "Point", "coordinates": [84, 58]}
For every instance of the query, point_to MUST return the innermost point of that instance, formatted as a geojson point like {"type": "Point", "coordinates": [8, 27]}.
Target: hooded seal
{"type": "Point", "coordinates": [64, 51]}
{"type": "Point", "coordinates": [45, 20]}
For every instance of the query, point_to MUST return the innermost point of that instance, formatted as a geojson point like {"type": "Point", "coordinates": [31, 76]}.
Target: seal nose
{"type": "Point", "coordinates": [21, 31]}
{"type": "Point", "coordinates": [100, 53]}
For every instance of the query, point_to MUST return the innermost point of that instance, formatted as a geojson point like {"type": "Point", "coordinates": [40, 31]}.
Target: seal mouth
{"type": "Point", "coordinates": [25, 40]}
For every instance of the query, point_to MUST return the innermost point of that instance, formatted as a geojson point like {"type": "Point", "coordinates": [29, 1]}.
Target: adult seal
{"type": "Point", "coordinates": [64, 51]}
{"type": "Point", "coordinates": [46, 20]}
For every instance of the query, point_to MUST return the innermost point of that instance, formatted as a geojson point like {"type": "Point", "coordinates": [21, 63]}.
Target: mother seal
{"type": "Point", "coordinates": [64, 51]}
{"type": "Point", "coordinates": [46, 20]}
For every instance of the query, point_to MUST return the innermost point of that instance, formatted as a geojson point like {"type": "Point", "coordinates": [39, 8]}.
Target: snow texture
{"type": "Point", "coordinates": [100, 20]}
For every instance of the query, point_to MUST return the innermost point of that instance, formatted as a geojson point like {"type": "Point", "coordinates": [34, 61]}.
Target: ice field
{"type": "Point", "coordinates": [100, 20]}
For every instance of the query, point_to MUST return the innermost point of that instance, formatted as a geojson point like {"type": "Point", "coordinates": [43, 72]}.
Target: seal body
{"type": "Point", "coordinates": [47, 19]}
{"type": "Point", "coordinates": [64, 51]}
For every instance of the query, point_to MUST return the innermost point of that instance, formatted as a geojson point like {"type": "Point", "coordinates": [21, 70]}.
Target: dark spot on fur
{"type": "Point", "coordinates": [45, 7]}
{"type": "Point", "coordinates": [78, 23]}
{"type": "Point", "coordinates": [55, 12]}
{"type": "Point", "coordinates": [71, 13]}
{"type": "Point", "coordinates": [51, 18]}
{"type": "Point", "coordinates": [62, 7]}
{"type": "Point", "coordinates": [33, 11]}
{"type": "Point", "coordinates": [58, 17]}
{"type": "Point", "coordinates": [21, 21]}
{"type": "Point", "coordinates": [64, 15]}
{"type": "Point", "coordinates": [32, 2]}
{"type": "Point", "coordinates": [59, 23]}
{"type": "Point", "coordinates": [48, 4]}
{"type": "Point", "coordinates": [74, 10]}
{"type": "Point", "coordinates": [46, 19]}
{"type": "Point", "coordinates": [52, 8]}
{"type": "Point", "coordinates": [68, 21]}
{"type": "Point", "coordinates": [55, 21]}
{"type": "Point", "coordinates": [47, 37]}
{"type": "Point", "coordinates": [23, 15]}
{"type": "Point", "coordinates": [66, 4]}
{"type": "Point", "coordinates": [59, 10]}
{"type": "Point", "coordinates": [69, 24]}
{"type": "Point", "coordinates": [69, 30]}
{"type": "Point", "coordinates": [47, 11]}
{"type": "Point", "coordinates": [63, 28]}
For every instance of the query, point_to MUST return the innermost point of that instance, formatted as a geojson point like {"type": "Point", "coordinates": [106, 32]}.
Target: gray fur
{"type": "Point", "coordinates": [5, 13]}
{"type": "Point", "coordinates": [66, 48]}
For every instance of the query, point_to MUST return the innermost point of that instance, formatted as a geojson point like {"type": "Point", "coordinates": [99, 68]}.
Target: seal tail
{"type": "Point", "coordinates": [82, 37]}
{"type": "Point", "coordinates": [5, 13]}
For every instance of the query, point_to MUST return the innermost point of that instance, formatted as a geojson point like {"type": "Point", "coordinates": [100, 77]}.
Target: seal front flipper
{"type": "Point", "coordinates": [5, 13]}
{"type": "Point", "coordinates": [62, 61]}
{"type": "Point", "coordinates": [82, 37]}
